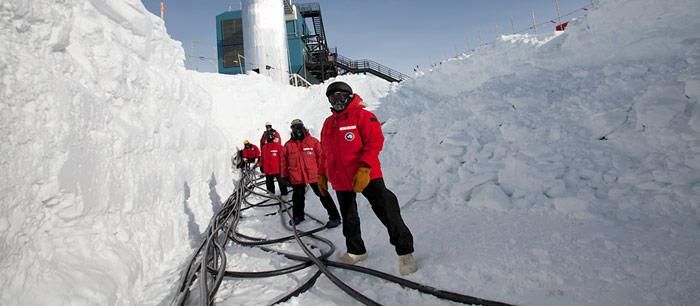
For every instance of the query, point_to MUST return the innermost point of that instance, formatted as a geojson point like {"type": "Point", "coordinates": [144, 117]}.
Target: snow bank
{"type": "Point", "coordinates": [597, 126]}
{"type": "Point", "coordinates": [243, 103]}
{"type": "Point", "coordinates": [111, 162]}
{"type": "Point", "coordinates": [545, 119]}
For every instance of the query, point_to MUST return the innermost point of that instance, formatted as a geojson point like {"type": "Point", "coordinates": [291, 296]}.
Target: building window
{"type": "Point", "coordinates": [232, 42]}
{"type": "Point", "coordinates": [291, 28]}
{"type": "Point", "coordinates": [232, 32]}
{"type": "Point", "coordinates": [232, 55]}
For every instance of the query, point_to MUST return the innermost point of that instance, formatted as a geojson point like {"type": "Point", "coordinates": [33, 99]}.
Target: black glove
{"type": "Point", "coordinates": [261, 169]}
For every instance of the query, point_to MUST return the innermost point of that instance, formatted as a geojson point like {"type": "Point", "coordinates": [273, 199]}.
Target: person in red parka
{"type": "Point", "coordinates": [302, 155]}
{"type": "Point", "coordinates": [250, 152]}
{"type": "Point", "coordinates": [264, 139]}
{"type": "Point", "coordinates": [351, 140]}
{"type": "Point", "coordinates": [271, 163]}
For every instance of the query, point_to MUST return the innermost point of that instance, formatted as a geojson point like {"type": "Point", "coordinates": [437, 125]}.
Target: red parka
{"type": "Point", "coordinates": [271, 158]}
{"type": "Point", "coordinates": [302, 158]}
{"type": "Point", "coordinates": [251, 153]}
{"type": "Point", "coordinates": [349, 139]}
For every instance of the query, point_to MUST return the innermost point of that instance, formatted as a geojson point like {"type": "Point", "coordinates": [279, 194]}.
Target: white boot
{"type": "Point", "coordinates": [407, 264]}
{"type": "Point", "coordinates": [351, 259]}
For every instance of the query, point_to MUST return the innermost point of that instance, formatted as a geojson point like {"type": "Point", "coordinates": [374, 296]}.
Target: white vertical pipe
{"type": "Point", "coordinates": [265, 38]}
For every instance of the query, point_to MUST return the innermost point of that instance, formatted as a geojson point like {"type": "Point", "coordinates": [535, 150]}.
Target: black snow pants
{"type": "Point", "coordinates": [270, 184]}
{"type": "Point", "coordinates": [386, 207]}
{"type": "Point", "coordinates": [299, 199]}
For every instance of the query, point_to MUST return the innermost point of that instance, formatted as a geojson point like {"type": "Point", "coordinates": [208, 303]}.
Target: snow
{"type": "Point", "coordinates": [102, 133]}
{"type": "Point", "coordinates": [549, 169]}
{"type": "Point", "coordinates": [242, 104]}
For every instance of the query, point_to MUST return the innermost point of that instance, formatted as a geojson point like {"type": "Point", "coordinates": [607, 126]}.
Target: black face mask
{"type": "Point", "coordinates": [247, 146]}
{"type": "Point", "coordinates": [270, 136]}
{"type": "Point", "coordinates": [298, 132]}
{"type": "Point", "coordinates": [339, 101]}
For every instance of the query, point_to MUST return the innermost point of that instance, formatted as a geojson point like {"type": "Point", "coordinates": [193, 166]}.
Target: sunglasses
{"type": "Point", "coordinates": [339, 97]}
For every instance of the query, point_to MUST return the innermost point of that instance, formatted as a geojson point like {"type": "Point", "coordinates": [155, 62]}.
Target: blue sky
{"type": "Point", "coordinates": [397, 33]}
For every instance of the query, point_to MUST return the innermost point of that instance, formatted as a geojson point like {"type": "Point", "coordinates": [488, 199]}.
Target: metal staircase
{"type": "Point", "coordinates": [287, 7]}
{"type": "Point", "coordinates": [323, 63]}
{"type": "Point", "coordinates": [319, 62]}
{"type": "Point", "coordinates": [347, 65]}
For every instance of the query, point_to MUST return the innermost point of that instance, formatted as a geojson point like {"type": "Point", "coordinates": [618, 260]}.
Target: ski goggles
{"type": "Point", "coordinates": [339, 97]}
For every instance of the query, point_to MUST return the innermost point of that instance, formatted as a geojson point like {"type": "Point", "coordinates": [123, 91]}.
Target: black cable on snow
{"type": "Point", "coordinates": [190, 273]}
{"type": "Point", "coordinates": [206, 295]}
{"type": "Point", "coordinates": [349, 290]}
{"type": "Point", "coordinates": [442, 294]}
{"type": "Point", "coordinates": [322, 267]}
{"type": "Point", "coordinates": [447, 295]}
{"type": "Point", "coordinates": [220, 272]}
{"type": "Point", "coordinates": [308, 284]}
{"type": "Point", "coordinates": [401, 281]}
{"type": "Point", "coordinates": [205, 299]}
{"type": "Point", "coordinates": [197, 258]}
{"type": "Point", "coordinates": [269, 273]}
{"type": "Point", "coordinates": [210, 257]}
{"type": "Point", "coordinates": [260, 241]}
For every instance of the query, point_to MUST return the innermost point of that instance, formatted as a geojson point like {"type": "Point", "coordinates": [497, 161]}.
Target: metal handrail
{"type": "Point", "coordinates": [366, 65]}
{"type": "Point", "coordinates": [298, 80]}
{"type": "Point", "coordinates": [308, 7]}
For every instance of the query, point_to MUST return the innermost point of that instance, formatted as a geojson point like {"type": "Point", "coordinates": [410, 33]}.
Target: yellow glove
{"type": "Point", "coordinates": [322, 183]}
{"type": "Point", "coordinates": [361, 179]}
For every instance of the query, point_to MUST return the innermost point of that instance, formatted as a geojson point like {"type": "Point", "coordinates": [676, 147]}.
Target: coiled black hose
{"type": "Point", "coordinates": [210, 256]}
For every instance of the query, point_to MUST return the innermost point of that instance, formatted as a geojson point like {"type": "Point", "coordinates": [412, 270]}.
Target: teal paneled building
{"type": "Point", "coordinates": [229, 36]}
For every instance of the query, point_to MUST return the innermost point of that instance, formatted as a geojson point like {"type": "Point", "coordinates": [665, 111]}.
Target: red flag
{"type": "Point", "coordinates": [562, 26]}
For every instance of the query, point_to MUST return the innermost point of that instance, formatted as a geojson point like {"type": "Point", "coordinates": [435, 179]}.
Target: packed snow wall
{"type": "Point", "coordinates": [111, 164]}
{"type": "Point", "coordinates": [600, 121]}
{"type": "Point", "coordinates": [265, 38]}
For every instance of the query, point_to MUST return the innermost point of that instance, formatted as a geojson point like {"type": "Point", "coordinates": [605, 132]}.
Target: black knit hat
{"type": "Point", "coordinates": [338, 86]}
